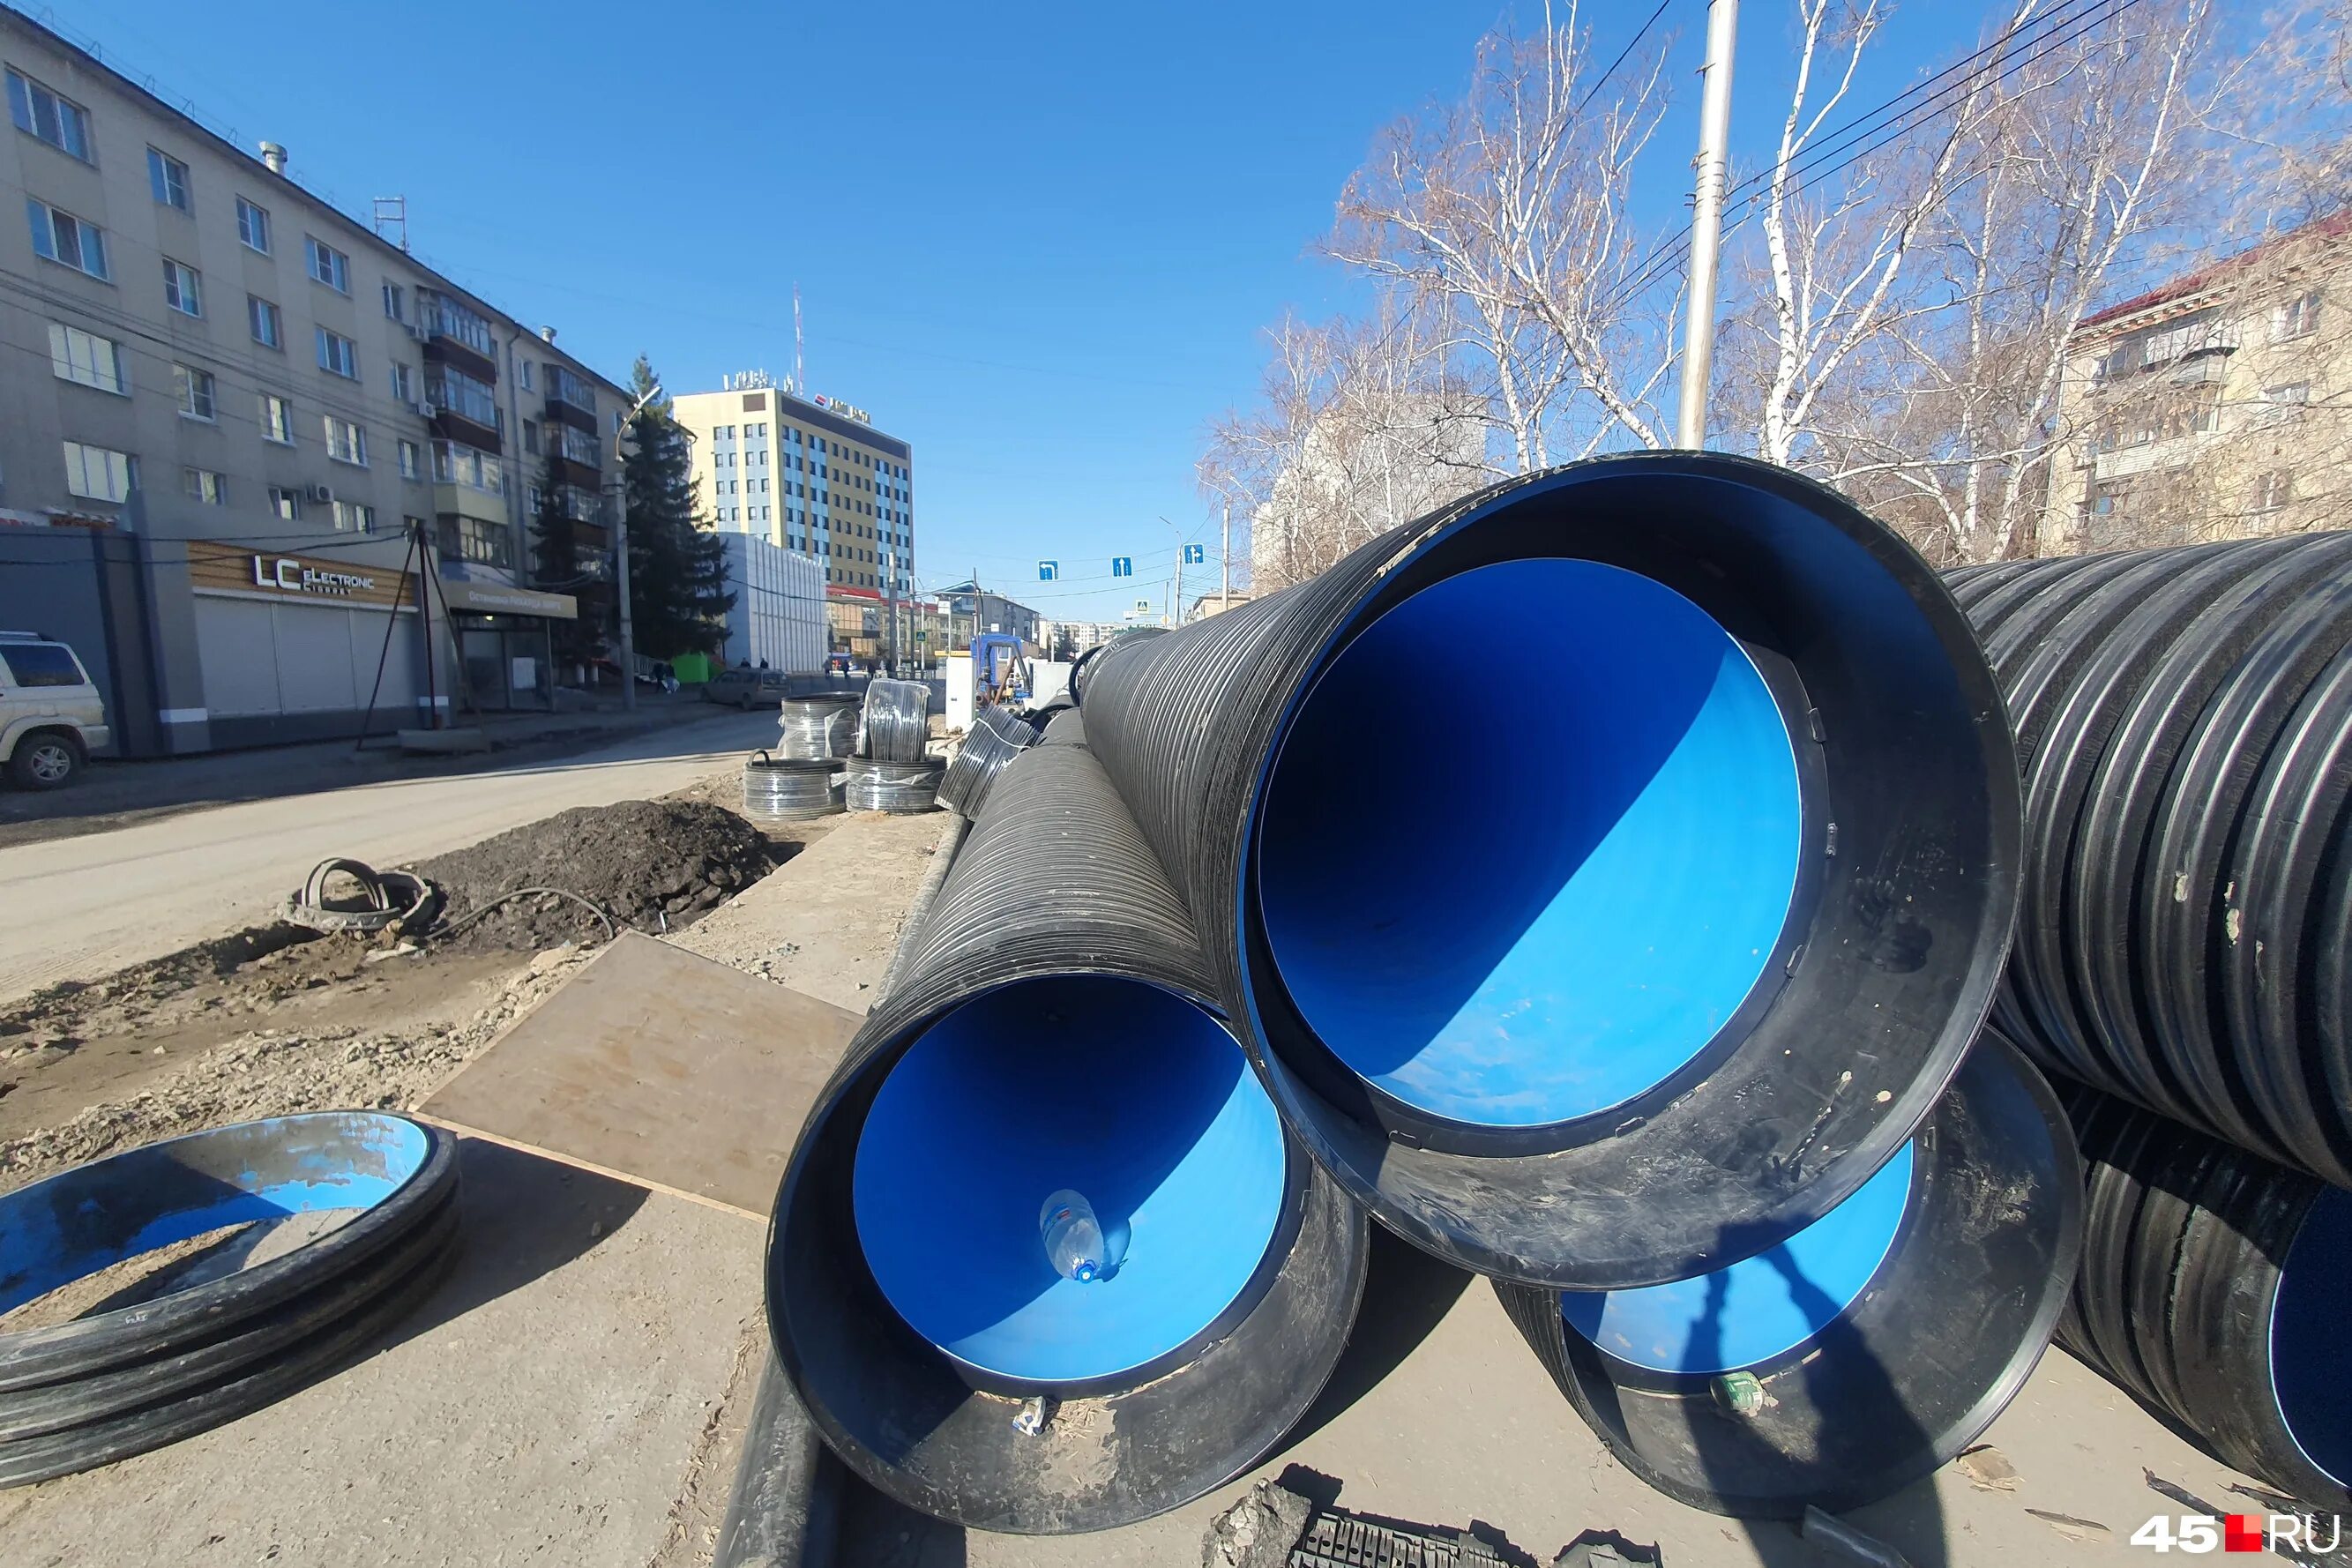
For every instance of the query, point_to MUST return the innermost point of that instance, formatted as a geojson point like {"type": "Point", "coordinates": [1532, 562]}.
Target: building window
{"type": "Point", "coordinates": [404, 384]}
{"type": "Point", "coordinates": [454, 463]}
{"type": "Point", "coordinates": [2288, 402]}
{"type": "Point", "coordinates": [523, 368]}
{"type": "Point", "coordinates": [167, 177]}
{"type": "Point", "coordinates": [67, 240]}
{"type": "Point", "coordinates": [2273, 490]}
{"type": "Point", "coordinates": [396, 303]}
{"type": "Point", "coordinates": [204, 485]}
{"type": "Point", "coordinates": [566, 387]}
{"type": "Point", "coordinates": [579, 445]}
{"type": "Point", "coordinates": [2298, 318]}
{"type": "Point", "coordinates": [338, 355]}
{"type": "Point", "coordinates": [412, 460]}
{"type": "Point", "coordinates": [327, 265]}
{"type": "Point", "coordinates": [86, 360]}
{"type": "Point", "coordinates": [183, 291]}
{"type": "Point", "coordinates": [531, 436]}
{"type": "Point", "coordinates": [196, 392]}
{"type": "Point", "coordinates": [346, 442]}
{"type": "Point", "coordinates": [276, 419]}
{"type": "Point", "coordinates": [475, 539]}
{"type": "Point", "coordinates": [98, 473]}
{"type": "Point", "coordinates": [286, 503]}
{"type": "Point", "coordinates": [253, 225]}
{"type": "Point", "coordinates": [351, 516]}
{"type": "Point", "coordinates": [59, 121]}
{"type": "Point", "coordinates": [262, 318]}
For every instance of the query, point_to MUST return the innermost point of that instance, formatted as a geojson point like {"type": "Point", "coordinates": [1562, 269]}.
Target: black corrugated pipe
{"type": "Point", "coordinates": [2212, 1290]}
{"type": "Point", "coordinates": [1054, 1028]}
{"type": "Point", "coordinates": [2184, 719]}
{"type": "Point", "coordinates": [1082, 670]}
{"type": "Point", "coordinates": [995, 738]}
{"type": "Point", "coordinates": [1695, 934]}
{"type": "Point", "coordinates": [1864, 1351]}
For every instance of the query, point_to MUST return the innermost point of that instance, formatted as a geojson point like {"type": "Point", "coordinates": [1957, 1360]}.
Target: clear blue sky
{"type": "Point", "coordinates": [1040, 243]}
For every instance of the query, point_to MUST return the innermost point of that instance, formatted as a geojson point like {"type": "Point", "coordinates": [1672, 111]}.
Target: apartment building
{"type": "Point", "coordinates": [2217, 406]}
{"type": "Point", "coordinates": [810, 473]}
{"type": "Point", "coordinates": [254, 403]}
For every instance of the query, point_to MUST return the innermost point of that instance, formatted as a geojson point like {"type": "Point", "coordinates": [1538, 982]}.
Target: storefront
{"type": "Point", "coordinates": [296, 646]}
{"type": "Point", "coordinates": [505, 642]}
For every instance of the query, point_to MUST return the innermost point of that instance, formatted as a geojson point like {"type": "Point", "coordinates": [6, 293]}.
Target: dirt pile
{"type": "Point", "coordinates": [655, 865]}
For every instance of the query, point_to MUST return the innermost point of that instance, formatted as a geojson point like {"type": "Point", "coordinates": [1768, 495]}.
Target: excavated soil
{"type": "Point", "coordinates": [655, 865]}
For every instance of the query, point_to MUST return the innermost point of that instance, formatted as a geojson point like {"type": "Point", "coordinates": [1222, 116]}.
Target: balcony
{"type": "Point", "coordinates": [457, 335]}
{"type": "Point", "coordinates": [464, 410]}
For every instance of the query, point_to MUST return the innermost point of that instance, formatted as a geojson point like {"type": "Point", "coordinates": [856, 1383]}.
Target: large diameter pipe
{"type": "Point", "coordinates": [2212, 1290]}
{"type": "Point", "coordinates": [1055, 1028]}
{"type": "Point", "coordinates": [1680, 946]}
{"type": "Point", "coordinates": [1860, 1353]}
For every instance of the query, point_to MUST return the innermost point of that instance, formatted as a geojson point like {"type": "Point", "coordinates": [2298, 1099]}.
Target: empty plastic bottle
{"type": "Point", "coordinates": [1074, 1241]}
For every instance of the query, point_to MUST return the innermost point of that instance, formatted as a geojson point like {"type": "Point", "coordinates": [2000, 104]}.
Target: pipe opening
{"type": "Point", "coordinates": [1119, 1090]}
{"type": "Point", "coordinates": [1595, 859]}
{"type": "Point", "coordinates": [2311, 1370]}
{"type": "Point", "coordinates": [1761, 1308]}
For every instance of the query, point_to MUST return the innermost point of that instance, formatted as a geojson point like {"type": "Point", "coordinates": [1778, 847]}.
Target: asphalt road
{"type": "Point", "coordinates": [75, 909]}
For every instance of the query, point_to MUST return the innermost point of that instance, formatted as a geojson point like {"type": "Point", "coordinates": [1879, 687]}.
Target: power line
{"type": "Point", "coordinates": [1622, 55]}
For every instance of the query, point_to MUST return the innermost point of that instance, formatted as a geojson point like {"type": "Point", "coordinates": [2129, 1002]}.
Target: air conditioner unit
{"type": "Point", "coordinates": [419, 331]}
{"type": "Point", "coordinates": [319, 495]}
{"type": "Point", "coordinates": [421, 408]}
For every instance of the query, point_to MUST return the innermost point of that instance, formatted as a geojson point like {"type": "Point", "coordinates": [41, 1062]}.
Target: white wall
{"type": "Point", "coordinates": [779, 612]}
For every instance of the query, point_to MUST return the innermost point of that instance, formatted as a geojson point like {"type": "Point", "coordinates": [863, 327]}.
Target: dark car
{"type": "Point", "coordinates": [748, 688]}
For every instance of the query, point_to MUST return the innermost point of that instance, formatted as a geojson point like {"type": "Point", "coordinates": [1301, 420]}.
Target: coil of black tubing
{"type": "Point", "coordinates": [1866, 996]}
{"type": "Point", "coordinates": [813, 729]}
{"type": "Point", "coordinates": [2212, 1290]}
{"type": "Point", "coordinates": [121, 1380]}
{"type": "Point", "coordinates": [994, 739]}
{"type": "Point", "coordinates": [894, 724]}
{"type": "Point", "coordinates": [1903, 1361]}
{"type": "Point", "coordinates": [872, 784]}
{"type": "Point", "coordinates": [1055, 901]}
{"type": "Point", "coordinates": [785, 789]}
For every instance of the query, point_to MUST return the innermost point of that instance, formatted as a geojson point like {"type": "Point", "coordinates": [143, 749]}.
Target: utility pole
{"type": "Point", "coordinates": [1706, 222]}
{"type": "Point", "coordinates": [891, 592]}
{"type": "Point", "coordinates": [1225, 587]}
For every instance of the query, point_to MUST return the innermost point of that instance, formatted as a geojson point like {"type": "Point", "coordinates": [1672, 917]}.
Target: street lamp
{"type": "Point", "coordinates": [620, 556]}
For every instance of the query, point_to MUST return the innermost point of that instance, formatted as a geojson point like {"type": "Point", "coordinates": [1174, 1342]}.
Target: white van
{"type": "Point", "coordinates": [51, 715]}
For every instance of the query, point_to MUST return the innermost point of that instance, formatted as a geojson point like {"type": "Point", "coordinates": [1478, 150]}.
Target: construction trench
{"type": "Point", "coordinates": [1668, 1017]}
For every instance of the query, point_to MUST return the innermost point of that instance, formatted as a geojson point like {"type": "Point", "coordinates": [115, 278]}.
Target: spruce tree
{"type": "Point", "coordinates": [678, 596]}
{"type": "Point", "coordinates": [556, 565]}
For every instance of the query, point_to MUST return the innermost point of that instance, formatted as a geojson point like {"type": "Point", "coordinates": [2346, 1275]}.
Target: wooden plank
{"type": "Point", "coordinates": [659, 1067]}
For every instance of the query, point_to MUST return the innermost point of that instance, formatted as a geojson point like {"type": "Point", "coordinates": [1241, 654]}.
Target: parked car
{"type": "Point", "coordinates": [748, 688]}
{"type": "Point", "coordinates": [51, 715]}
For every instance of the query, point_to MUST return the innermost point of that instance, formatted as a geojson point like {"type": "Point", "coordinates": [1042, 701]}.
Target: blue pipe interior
{"type": "Point", "coordinates": [1135, 1098]}
{"type": "Point", "coordinates": [1760, 1307]}
{"type": "Point", "coordinates": [88, 1218]}
{"type": "Point", "coordinates": [1513, 897]}
{"type": "Point", "coordinates": [2310, 1367]}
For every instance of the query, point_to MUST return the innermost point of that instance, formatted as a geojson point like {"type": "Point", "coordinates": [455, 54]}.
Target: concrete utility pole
{"type": "Point", "coordinates": [1225, 587]}
{"type": "Point", "coordinates": [1706, 222]}
{"type": "Point", "coordinates": [890, 590]}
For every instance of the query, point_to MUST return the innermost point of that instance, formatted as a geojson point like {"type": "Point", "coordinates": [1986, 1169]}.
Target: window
{"type": "Point", "coordinates": [42, 664]}
{"type": "Point", "coordinates": [351, 516]}
{"type": "Point", "coordinates": [196, 392]}
{"type": "Point", "coordinates": [338, 354]}
{"type": "Point", "coordinates": [579, 445]}
{"type": "Point", "coordinates": [472, 539]}
{"type": "Point", "coordinates": [99, 474]}
{"type": "Point", "coordinates": [567, 387]}
{"type": "Point", "coordinates": [86, 358]}
{"type": "Point", "coordinates": [523, 369]}
{"type": "Point", "coordinates": [2288, 401]}
{"type": "Point", "coordinates": [404, 384]}
{"type": "Point", "coordinates": [277, 420]}
{"type": "Point", "coordinates": [531, 436]}
{"type": "Point", "coordinates": [204, 485]}
{"type": "Point", "coordinates": [183, 291]}
{"type": "Point", "coordinates": [253, 225]}
{"type": "Point", "coordinates": [451, 391]}
{"type": "Point", "coordinates": [2106, 499]}
{"type": "Point", "coordinates": [396, 303]}
{"type": "Point", "coordinates": [167, 177]}
{"type": "Point", "coordinates": [286, 503]}
{"type": "Point", "coordinates": [67, 240]}
{"type": "Point", "coordinates": [327, 264]}
{"type": "Point", "coordinates": [2274, 490]}
{"type": "Point", "coordinates": [346, 442]}
{"type": "Point", "coordinates": [412, 460]}
{"type": "Point", "coordinates": [2298, 318]}
{"type": "Point", "coordinates": [454, 463]}
{"type": "Point", "coordinates": [59, 121]}
{"type": "Point", "coordinates": [262, 316]}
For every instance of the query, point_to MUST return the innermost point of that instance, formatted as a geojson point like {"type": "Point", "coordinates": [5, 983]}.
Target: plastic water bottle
{"type": "Point", "coordinates": [1074, 1241]}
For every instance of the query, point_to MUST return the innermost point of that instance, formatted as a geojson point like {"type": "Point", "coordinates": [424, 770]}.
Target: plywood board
{"type": "Point", "coordinates": [661, 1068]}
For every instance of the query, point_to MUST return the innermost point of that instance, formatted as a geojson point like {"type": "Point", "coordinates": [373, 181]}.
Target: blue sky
{"type": "Point", "coordinates": [1039, 242]}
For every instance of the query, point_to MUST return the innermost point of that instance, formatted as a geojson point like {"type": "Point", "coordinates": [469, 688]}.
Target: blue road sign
{"type": "Point", "coordinates": [1122, 566]}
{"type": "Point", "coordinates": [1195, 554]}
{"type": "Point", "coordinates": [1048, 570]}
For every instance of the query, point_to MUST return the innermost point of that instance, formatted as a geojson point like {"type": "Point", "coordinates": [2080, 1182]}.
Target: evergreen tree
{"type": "Point", "coordinates": [678, 597]}
{"type": "Point", "coordinates": [556, 565]}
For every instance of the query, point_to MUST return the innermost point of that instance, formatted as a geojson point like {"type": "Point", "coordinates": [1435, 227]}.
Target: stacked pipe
{"type": "Point", "coordinates": [2185, 724]}
{"type": "Point", "coordinates": [813, 729]}
{"type": "Point", "coordinates": [996, 737]}
{"type": "Point", "coordinates": [894, 724]}
{"type": "Point", "coordinates": [871, 783]}
{"type": "Point", "coordinates": [784, 789]}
